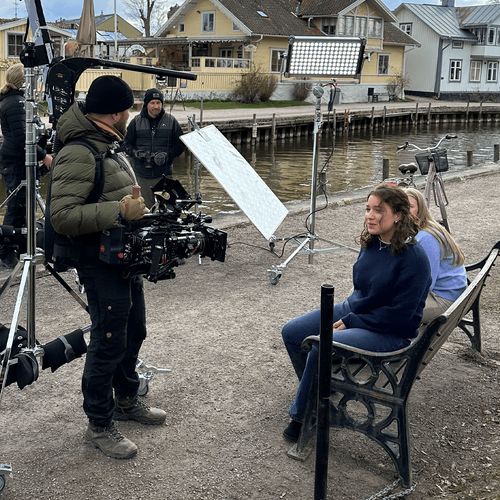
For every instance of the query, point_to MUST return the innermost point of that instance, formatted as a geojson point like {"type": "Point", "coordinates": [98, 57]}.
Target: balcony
{"type": "Point", "coordinates": [485, 51]}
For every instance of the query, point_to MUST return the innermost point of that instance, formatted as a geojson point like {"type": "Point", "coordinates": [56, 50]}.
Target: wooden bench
{"type": "Point", "coordinates": [370, 390]}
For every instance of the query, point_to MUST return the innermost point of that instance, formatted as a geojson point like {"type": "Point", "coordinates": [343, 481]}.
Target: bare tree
{"type": "Point", "coordinates": [149, 14]}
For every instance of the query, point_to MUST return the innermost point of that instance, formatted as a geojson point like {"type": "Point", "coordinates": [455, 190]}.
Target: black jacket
{"type": "Point", "coordinates": [146, 136]}
{"type": "Point", "coordinates": [13, 123]}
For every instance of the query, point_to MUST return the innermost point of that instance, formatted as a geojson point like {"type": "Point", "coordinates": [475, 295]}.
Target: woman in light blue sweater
{"type": "Point", "coordinates": [446, 259]}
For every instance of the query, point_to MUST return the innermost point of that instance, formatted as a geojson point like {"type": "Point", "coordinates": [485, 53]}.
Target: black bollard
{"type": "Point", "coordinates": [496, 152]}
{"type": "Point", "coordinates": [469, 158]}
{"type": "Point", "coordinates": [324, 374]}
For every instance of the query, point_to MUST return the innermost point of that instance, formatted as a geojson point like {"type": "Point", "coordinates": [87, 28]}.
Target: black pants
{"type": "Point", "coordinates": [15, 215]}
{"type": "Point", "coordinates": [118, 316]}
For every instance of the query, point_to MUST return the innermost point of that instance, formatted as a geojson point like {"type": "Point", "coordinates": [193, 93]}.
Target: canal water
{"type": "Point", "coordinates": [356, 161]}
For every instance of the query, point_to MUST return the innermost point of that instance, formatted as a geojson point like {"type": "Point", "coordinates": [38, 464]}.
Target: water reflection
{"type": "Point", "coordinates": [356, 161]}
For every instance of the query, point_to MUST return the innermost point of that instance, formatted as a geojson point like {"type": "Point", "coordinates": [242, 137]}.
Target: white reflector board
{"type": "Point", "coordinates": [238, 178]}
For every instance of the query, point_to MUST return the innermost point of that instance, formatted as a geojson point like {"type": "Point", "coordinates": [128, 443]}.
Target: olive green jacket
{"type": "Point", "coordinates": [73, 175]}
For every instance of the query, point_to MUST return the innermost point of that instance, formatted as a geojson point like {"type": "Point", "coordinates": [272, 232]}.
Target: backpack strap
{"type": "Point", "coordinates": [99, 156]}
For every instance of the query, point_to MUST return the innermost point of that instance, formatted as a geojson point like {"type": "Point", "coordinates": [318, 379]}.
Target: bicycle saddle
{"type": "Point", "coordinates": [407, 168]}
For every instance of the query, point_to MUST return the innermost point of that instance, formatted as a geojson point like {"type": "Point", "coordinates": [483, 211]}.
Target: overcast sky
{"type": "Point", "coordinates": [67, 9]}
{"type": "Point", "coordinates": [70, 9]}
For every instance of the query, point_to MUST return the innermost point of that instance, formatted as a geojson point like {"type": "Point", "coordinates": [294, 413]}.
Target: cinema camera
{"type": "Point", "coordinates": [164, 238]}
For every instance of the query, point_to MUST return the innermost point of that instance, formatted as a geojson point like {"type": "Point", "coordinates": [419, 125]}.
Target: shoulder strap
{"type": "Point", "coordinates": [99, 156]}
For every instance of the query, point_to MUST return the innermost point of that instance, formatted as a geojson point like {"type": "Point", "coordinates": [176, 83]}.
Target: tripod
{"type": "Point", "coordinates": [24, 183]}
{"type": "Point", "coordinates": [306, 242]}
{"type": "Point", "coordinates": [29, 262]}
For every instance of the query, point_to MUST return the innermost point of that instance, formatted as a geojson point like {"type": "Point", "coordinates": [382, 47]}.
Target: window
{"type": "Point", "coordinates": [208, 22]}
{"type": "Point", "coordinates": [491, 36]}
{"type": "Point", "coordinates": [14, 44]}
{"type": "Point", "coordinates": [498, 37]}
{"type": "Point", "coordinates": [349, 25]}
{"type": "Point", "coordinates": [406, 27]}
{"type": "Point", "coordinates": [383, 64]}
{"type": "Point", "coordinates": [276, 60]}
{"type": "Point", "coordinates": [475, 71]}
{"type": "Point", "coordinates": [227, 53]}
{"type": "Point", "coordinates": [235, 27]}
{"type": "Point", "coordinates": [492, 73]}
{"type": "Point", "coordinates": [455, 70]}
{"type": "Point", "coordinates": [360, 29]}
{"type": "Point", "coordinates": [374, 27]}
{"type": "Point", "coordinates": [262, 13]}
{"type": "Point", "coordinates": [457, 44]}
{"type": "Point", "coordinates": [181, 27]}
{"type": "Point", "coordinates": [329, 26]}
{"type": "Point", "coordinates": [480, 34]}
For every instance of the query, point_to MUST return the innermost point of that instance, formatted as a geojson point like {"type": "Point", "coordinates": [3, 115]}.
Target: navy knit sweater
{"type": "Point", "coordinates": [389, 290]}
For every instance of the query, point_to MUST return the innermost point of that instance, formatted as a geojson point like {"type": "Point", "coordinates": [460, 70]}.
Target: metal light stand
{"type": "Point", "coordinates": [306, 242]}
{"type": "Point", "coordinates": [29, 261]}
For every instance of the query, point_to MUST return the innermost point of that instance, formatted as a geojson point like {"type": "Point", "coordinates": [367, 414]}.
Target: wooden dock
{"type": "Point", "coordinates": [275, 128]}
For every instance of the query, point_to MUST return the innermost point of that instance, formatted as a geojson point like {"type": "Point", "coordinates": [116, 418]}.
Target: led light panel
{"type": "Point", "coordinates": [325, 56]}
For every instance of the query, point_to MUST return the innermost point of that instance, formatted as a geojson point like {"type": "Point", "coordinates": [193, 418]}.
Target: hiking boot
{"type": "Point", "coordinates": [136, 409]}
{"type": "Point", "coordinates": [292, 431]}
{"type": "Point", "coordinates": [110, 441]}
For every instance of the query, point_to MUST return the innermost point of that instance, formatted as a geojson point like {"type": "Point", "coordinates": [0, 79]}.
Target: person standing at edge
{"type": "Point", "coordinates": [116, 303]}
{"type": "Point", "coordinates": [153, 142]}
{"type": "Point", "coordinates": [12, 155]}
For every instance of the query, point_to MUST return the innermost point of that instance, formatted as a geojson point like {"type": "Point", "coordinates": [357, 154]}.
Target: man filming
{"type": "Point", "coordinates": [116, 303]}
{"type": "Point", "coordinates": [153, 141]}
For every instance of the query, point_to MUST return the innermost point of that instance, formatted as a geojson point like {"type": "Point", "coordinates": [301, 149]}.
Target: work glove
{"type": "Point", "coordinates": [132, 208]}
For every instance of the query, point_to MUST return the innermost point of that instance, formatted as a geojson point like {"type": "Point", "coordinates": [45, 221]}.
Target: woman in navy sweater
{"type": "Point", "coordinates": [391, 279]}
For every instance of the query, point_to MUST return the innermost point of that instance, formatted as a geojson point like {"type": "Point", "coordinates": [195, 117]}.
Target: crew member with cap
{"type": "Point", "coordinates": [12, 155]}
{"type": "Point", "coordinates": [116, 303]}
{"type": "Point", "coordinates": [153, 141]}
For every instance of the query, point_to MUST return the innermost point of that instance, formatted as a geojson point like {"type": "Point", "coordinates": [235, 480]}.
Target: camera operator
{"type": "Point", "coordinates": [153, 141]}
{"type": "Point", "coordinates": [12, 156]}
{"type": "Point", "coordinates": [116, 302]}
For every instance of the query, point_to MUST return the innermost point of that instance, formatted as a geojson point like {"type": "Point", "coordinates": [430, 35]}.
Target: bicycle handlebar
{"type": "Point", "coordinates": [407, 144]}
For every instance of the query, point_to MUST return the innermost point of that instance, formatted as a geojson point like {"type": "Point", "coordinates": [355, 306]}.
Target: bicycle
{"type": "Point", "coordinates": [431, 162]}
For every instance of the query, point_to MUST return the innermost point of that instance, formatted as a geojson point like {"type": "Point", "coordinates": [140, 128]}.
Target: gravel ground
{"type": "Point", "coordinates": [218, 327]}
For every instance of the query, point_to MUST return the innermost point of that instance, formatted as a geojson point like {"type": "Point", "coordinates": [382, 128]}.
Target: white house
{"type": "Point", "coordinates": [459, 54]}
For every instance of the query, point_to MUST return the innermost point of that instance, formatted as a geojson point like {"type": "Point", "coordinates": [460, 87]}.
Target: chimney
{"type": "Point", "coordinates": [448, 3]}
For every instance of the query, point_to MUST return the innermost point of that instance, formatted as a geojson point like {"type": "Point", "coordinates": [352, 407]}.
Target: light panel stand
{"type": "Point", "coordinates": [318, 56]}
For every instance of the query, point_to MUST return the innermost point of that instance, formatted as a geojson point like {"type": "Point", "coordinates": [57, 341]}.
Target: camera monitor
{"type": "Point", "coordinates": [238, 178]}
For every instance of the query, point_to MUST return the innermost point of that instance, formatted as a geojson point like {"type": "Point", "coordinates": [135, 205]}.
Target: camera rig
{"type": "Point", "coordinates": [154, 245]}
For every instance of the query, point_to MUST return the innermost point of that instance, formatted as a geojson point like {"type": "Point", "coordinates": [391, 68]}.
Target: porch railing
{"type": "Point", "coordinates": [220, 62]}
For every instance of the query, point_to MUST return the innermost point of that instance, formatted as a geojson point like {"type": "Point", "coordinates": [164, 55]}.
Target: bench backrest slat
{"type": "Point", "coordinates": [433, 338]}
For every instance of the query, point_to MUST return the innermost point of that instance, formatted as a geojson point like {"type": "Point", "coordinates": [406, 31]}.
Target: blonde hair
{"type": "Point", "coordinates": [14, 78]}
{"type": "Point", "coordinates": [426, 221]}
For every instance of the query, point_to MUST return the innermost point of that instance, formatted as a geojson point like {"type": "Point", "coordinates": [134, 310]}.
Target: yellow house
{"type": "Point", "coordinates": [221, 39]}
{"type": "Point", "coordinates": [12, 38]}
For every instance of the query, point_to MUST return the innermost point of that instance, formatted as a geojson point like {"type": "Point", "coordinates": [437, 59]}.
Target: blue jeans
{"type": "Point", "coordinates": [305, 364]}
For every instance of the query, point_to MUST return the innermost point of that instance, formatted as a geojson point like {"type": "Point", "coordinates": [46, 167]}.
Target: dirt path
{"type": "Point", "coordinates": [218, 327]}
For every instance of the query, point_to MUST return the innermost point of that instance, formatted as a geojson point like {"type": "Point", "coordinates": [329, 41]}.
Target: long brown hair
{"type": "Point", "coordinates": [406, 228]}
{"type": "Point", "coordinates": [426, 221]}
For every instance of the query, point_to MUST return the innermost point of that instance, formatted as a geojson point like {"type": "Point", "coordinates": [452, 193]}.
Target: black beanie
{"type": "Point", "coordinates": [108, 94]}
{"type": "Point", "coordinates": [152, 94]}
